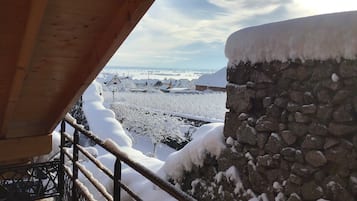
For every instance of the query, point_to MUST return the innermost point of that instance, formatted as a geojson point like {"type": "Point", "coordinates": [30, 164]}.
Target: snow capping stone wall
{"type": "Point", "coordinates": [298, 121]}
{"type": "Point", "coordinates": [321, 37]}
{"type": "Point", "coordinates": [293, 125]}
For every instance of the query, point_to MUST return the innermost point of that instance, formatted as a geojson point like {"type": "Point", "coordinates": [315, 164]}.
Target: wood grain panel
{"type": "Point", "coordinates": [13, 17]}
{"type": "Point", "coordinates": [55, 60]}
{"type": "Point", "coordinates": [123, 20]}
{"type": "Point", "coordinates": [20, 148]}
{"type": "Point", "coordinates": [34, 19]}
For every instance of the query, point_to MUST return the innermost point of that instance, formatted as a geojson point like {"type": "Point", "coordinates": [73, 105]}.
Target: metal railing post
{"type": "Point", "coordinates": [74, 167]}
{"type": "Point", "coordinates": [117, 178]}
{"type": "Point", "coordinates": [61, 165]}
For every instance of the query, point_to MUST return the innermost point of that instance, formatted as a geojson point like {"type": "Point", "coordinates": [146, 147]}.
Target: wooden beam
{"type": "Point", "coordinates": [21, 148]}
{"type": "Point", "coordinates": [123, 22]}
{"type": "Point", "coordinates": [33, 24]}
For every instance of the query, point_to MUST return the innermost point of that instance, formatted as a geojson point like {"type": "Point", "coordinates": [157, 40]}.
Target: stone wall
{"type": "Point", "coordinates": [294, 126]}
{"type": "Point", "coordinates": [204, 87]}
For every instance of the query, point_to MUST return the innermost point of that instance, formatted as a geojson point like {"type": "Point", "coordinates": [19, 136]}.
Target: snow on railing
{"type": "Point", "coordinates": [80, 190]}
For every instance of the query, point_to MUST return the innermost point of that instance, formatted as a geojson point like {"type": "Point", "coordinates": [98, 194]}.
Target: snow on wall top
{"type": "Point", "coordinates": [329, 36]}
{"type": "Point", "coordinates": [217, 79]}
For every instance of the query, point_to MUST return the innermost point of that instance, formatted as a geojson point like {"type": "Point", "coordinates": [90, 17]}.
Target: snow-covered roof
{"type": "Point", "coordinates": [217, 79]}
{"type": "Point", "coordinates": [113, 80]}
{"type": "Point", "coordinates": [329, 36]}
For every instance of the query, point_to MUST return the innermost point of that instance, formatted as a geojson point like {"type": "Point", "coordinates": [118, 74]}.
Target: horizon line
{"type": "Point", "coordinates": [166, 68]}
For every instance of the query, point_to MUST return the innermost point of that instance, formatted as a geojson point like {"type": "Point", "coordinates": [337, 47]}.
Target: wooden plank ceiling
{"type": "Point", "coordinates": [50, 51]}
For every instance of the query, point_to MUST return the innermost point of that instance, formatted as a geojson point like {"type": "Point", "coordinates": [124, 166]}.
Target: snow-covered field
{"type": "Point", "coordinates": [141, 73]}
{"type": "Point", "coordinates": [144, 109]}
{"type": "Point", "coordinates": [153, 116]}
{"type": "Point", "coordinates": [209, 106]}
{"type": "Point", "coordinates": [127, 86]}
{"type": "Point", "coordinates": [172, 164]}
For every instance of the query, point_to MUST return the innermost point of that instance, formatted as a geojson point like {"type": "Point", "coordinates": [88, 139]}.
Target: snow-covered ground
{"type": "Point", "coordinates": [144, 109]}
{"type": "Point", "coordinates": [209, 140]}
{"type": "Point", "coordinates": [103, 109]}
{"type": "Point", "coordinates": [145, 145]}
{"type": "Point", "coordinates": [158, 126]}
{"type": "Point", "coordinates": [209, 106]}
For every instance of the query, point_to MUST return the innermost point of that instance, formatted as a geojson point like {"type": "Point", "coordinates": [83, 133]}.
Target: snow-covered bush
{"type": "Point", "coordinates": [157, 125]}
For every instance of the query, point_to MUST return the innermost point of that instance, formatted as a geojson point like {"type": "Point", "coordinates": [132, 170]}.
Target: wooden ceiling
{"type": "Point", "coordinates": [50, 51]}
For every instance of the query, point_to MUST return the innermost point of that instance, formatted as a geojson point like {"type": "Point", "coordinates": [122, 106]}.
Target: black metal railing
{"type": "Point", "coordinates": [29, 181]}
{"type": "Point", "coordinates": [69, 172]}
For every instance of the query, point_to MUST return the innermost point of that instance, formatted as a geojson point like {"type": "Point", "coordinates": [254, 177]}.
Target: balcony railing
{"type": "Point", "coordinates": [59, 178]}
{"type": "Point", "coordinates": [72, 188]}
{"type": "Point", "coordinates": [29, 181]}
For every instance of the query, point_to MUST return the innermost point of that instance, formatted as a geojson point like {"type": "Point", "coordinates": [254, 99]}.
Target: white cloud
{"type": "Point", "coordinates": [160, 37]}
{"type": "Point", "coordinates": [326, 6]}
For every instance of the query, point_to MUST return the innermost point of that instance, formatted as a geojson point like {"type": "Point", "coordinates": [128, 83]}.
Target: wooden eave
{"type": "Point", "coordinates": [50, 51]}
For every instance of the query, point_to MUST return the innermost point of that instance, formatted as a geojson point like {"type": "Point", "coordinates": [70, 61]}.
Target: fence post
{"type": "Point", "coordinates": [117, 179]}
{"type": "Point", "coordinates": [74, 165]}
{"type": "Point", "coordinates": [61, 165]}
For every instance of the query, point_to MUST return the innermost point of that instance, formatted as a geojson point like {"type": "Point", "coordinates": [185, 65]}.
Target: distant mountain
{"type": "Point", "coordinates": [217, 79]}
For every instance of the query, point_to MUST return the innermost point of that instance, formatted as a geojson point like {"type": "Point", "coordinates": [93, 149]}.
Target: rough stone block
{"type": "Point", "coordinates": [301, 118]}
{"type": "Point", "coordinates": [298, 128]}
{"type": "Point", "coordinates": [308, 109]}
{"type": "Point", "coordinates": [267, 161]}
{"type": "Point", "coordinates": [274, 144]}
{"type": "Point", "coordinates": [281, 102]}
{"type": "Point", "coordinates": [246, 134]}
{"type": "Point", "coordinates": [231, 124]}
{"type": "Point", "coordinates": [288, 137]}
{"type": "Point", "coordinates": [324, 112]}
{"type": "Point", "coordinates": [260, 77]}
{"type": "Point", "coordinates": [348, 69]}
{"type": "Point", "coordinates": [322, 71]}
{"type": "Point", "coordinates": [318, 129]}
{"type": "Point", "coordinates": [294, 197]}
{"type": "Point", "coordinates": [309, 98]}
{"type": "Point", "coordinates": [238, 74]}
{"type": "Point", "coordinates": [315, 158]}
{"type": "Point", "coordinates": [341, 96]}
{"type": "Point", "coordinates": [343, 113]}
{"type": "Point", "coordinates": [288, 153]}
{"type": "Point", "coordinates": [341, 129]}
{"type": "Point", "coordinates": [266, 124]}
{"type": "Point", "coordinates": [338, 154]}
{"type": "Point", "coordinates": [323, 96]}
{"type": "Point", "coordinates": [331, 142]}
{"type": "Point", "coordinates": [311, 191]}
{"type": "Point", "coordinates": [335, 191]}
{"type": "Point", "coordinates": [262, 139]}
{"type": "Point", "coordinates": [312, 142]}
{"type": "Point", "coordinates": [302, 170]}
{"type": "Point", "coordinates": [297, 96]}
{"type": "Point", "coordinates": [239, 98]}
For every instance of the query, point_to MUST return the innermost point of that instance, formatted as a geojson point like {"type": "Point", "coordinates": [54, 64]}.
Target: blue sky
{"type": "Point", "coordinates": [191, 34]}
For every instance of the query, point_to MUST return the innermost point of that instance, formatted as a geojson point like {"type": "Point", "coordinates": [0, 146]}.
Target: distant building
{"type": "Point", "coordinates": [215, 82]}
{"type": "Point", "coordinates": [117, 83]}
{"type": "Point", "coordinates": [115, 80]}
